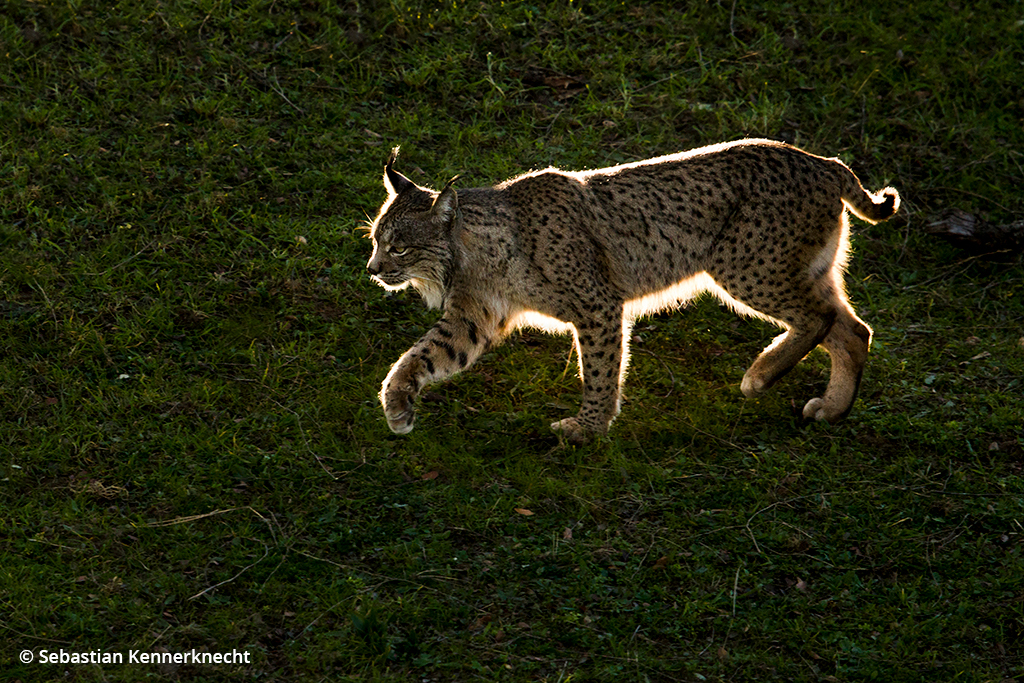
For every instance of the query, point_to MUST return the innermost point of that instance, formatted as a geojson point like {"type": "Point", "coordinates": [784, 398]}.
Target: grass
{"type": "Point", "coordinates": [193, 453]}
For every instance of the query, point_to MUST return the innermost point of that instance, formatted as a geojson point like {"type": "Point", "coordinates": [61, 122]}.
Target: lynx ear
{"type": "Point", "coordinates": [446, 203]}
{"type": "Point", "coordinates": [395, 182]}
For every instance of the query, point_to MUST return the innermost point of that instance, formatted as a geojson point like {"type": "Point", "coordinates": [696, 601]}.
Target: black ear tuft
{"type": "Point", "coordinates": [450, 183]}
{"type": "Point", "coordinates": [395, 182]}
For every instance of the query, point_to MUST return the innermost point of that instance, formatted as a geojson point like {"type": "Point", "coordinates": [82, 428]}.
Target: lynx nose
{"type": "Point", "coordinates": [372, 268]}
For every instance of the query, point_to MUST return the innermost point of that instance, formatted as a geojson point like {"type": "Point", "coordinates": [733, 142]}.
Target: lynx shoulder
{"type": "Point", "coordinates": [761, 224]}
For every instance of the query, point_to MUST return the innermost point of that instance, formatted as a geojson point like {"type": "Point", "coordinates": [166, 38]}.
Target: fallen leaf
{"type": "Point", "coordinates": [430, 475]}
{"type": "Point", "coordinates": [567, 534]}
{"type": "Point", "coordinates": [562, 82]}
{"type": "Point", "coordinates": [524, 512]}
{"type": "Point", "coordinates": [801, 585]}
{"type": "Point", "coordinates": [661, 563]}
{"type": "Point", "coordinates": [481, 622]}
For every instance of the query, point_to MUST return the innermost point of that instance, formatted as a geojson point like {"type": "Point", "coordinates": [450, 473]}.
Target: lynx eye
{"type": "Point", "coordinates": [398, 251]}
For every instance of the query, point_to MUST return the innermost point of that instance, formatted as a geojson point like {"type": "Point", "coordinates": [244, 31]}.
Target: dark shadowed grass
{"type": "Point", "coordinates": [193, 453]}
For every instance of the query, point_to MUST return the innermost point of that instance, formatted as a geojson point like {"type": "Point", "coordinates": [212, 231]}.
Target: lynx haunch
{"type": "Point", "coordinates": [761, 224]}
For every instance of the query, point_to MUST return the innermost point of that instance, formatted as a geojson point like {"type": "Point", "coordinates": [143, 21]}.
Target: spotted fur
{"type": "Point", "coordinates": [761, 224]}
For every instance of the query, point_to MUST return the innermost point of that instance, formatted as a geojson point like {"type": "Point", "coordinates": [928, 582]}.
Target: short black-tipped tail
{"type": "Point", "coordinates": [883, 205]}
{"type": "Point", "coordinates": [873, 208]}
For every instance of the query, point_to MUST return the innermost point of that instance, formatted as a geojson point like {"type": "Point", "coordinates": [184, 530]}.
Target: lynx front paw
{"type": "Point", "coordinates": [571, 430]}
{"type": "Point", "coordinates": [574, 431]}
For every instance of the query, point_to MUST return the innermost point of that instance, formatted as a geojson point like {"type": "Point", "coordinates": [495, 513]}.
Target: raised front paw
{"type": "Point", "coordinates": [397, 397]}
{"type": "Point", "coordinates": [399, 411]}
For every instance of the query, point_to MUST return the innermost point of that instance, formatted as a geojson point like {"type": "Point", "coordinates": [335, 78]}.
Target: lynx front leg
{"type": "Point", "coordinates": [601, 347]}
{"type": "Point", "coordinates": [450, 346]}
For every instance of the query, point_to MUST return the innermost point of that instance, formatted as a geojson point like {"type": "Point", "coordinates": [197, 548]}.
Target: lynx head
{"type": "Point", "coordinates": [412, 236]}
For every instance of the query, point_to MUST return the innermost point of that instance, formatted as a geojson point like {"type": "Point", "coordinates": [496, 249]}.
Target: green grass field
{"type": "Point", "coordinates": [192, 456]}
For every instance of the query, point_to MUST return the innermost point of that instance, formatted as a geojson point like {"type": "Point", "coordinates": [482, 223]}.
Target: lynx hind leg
{"type": "Point", "coordinates": [847, 343]}
{"type": "Point", "coordinates": [807, 330]}
{"type": "Point", "coordinates": [845, 336]}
